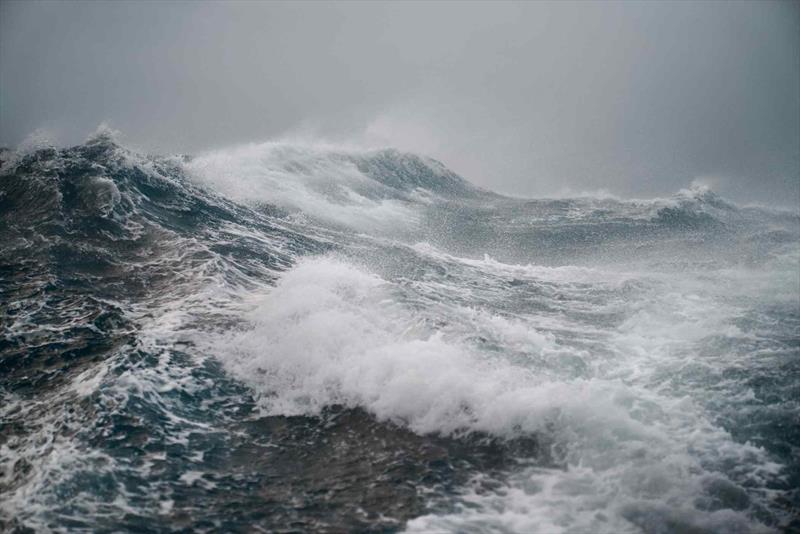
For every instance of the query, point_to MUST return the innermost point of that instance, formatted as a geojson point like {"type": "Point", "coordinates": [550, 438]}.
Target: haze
{"type": "Point", "coordinates": [531, 99]}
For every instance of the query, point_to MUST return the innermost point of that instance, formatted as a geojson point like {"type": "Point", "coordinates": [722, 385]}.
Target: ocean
{"type": "Point", "coordinates": [289, 337]}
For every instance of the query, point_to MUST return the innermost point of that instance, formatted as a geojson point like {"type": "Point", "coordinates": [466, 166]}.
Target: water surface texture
{"type": "Point", "coordinates": [296, 338]}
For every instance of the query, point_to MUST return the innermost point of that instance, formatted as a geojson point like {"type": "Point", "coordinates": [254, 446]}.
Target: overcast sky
{"type": "Point", "coordinates": [637, 99]}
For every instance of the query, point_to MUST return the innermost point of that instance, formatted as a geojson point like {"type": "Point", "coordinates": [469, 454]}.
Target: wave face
{"type": "Point", "coordinates": [309, 338]}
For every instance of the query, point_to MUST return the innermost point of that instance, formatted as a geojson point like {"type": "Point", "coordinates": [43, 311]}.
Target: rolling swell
{"type": "Point", "coordinates": [310, 338]}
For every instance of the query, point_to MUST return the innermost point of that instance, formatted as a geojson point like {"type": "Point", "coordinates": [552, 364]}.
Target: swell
{"type": "Point", "coordinates": [403, 344]}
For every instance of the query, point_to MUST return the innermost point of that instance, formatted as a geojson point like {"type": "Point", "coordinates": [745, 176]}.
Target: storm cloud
{"type": "Point", "coordinates": [534, 99]}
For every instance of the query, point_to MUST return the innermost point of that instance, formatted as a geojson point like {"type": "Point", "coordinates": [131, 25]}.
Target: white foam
{"type": "Point", "coordinates": [89, 381]}
{"type": "Point", "coordinates": [312, 179]}
{"type": "Point", "coordinates": [330, 333]}
{"type": "Point", "coordinates": [634, 449]}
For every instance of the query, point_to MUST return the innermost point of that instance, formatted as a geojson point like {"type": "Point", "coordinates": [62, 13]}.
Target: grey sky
{"type": "Point", "coordinates": [638, 99]}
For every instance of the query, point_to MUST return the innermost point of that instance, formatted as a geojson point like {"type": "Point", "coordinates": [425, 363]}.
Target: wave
{"type": "Point", "coordinates": [340, 336]}
{"type": "Point", "coordinates": [366, 190]}
{"type": "Point", "coordinates": [180, 327]}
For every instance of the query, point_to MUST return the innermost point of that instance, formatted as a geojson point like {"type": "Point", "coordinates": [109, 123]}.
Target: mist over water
{"type": "Point", "coordinates": [311, 337]}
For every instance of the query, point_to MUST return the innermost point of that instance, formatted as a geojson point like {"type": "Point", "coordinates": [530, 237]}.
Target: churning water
{"type": "Point", "coordinates": [293, 338]}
